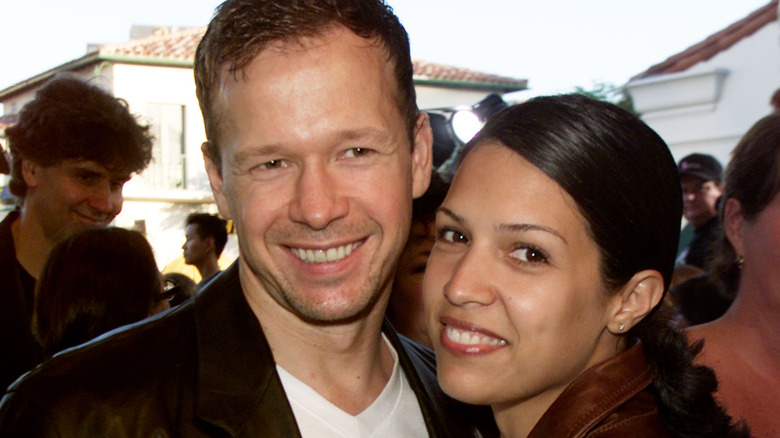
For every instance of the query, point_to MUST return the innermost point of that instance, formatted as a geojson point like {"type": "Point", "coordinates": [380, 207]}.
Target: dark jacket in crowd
{"type": "Point", "coordinates": [19, 351]}
{"type": "Point", "coordinates": [204, 369]}
{"type": "Point", "coordinates": [702, 248]}
{"type": "Point", "coordinates": [609, 400]}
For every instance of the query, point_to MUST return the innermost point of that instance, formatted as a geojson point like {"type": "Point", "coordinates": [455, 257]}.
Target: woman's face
{"type": "Point", "coordinates": [515, 304]}
{"type": "Point", "coordinates": [760, 245]}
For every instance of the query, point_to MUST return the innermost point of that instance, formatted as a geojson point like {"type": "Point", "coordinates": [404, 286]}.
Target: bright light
{"type": "Point", "coordinates": [465, 124]}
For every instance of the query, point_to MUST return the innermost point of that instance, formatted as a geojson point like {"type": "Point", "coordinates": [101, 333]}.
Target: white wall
{"type": "Point", "coordinates": [752, 69]}
{"type": "Point", "coordinates": [163, 212]}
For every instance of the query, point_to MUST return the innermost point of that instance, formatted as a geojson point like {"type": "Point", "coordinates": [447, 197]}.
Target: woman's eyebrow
{"type": "Point", "coordinates": [514, 228]}
{"type": "Point", "coordinates": [531, 227]}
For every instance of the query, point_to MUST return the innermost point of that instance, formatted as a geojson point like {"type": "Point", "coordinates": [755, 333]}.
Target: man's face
{"type": "Point", "coordinates": [318, 174]}
{"type": "Point", "coordinates": [72, 195]}
{"type": "Point", "coordinates": [196, 249]}
{"type": "Point", "coordinates": [700, 198]}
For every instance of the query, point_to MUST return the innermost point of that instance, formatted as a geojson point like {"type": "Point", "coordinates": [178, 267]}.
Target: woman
{"type": "Point", "coordinates": [742, 345]}
{"type": "Point", "coordinates": [92, 282]}
{"type": "Point", "coordinates": [554, 248]}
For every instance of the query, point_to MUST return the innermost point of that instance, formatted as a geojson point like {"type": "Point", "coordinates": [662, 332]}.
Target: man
{"type": "Point", "coordinates": [206, 236]}
{"type": "Point", "coordinates": [700, 177]}
{"type": "Point", "coordinates": [405, 308]}
{"type": "Point", "coordinates": [72, 151]}
{"type": "Point", "coordinates": [315, 150]}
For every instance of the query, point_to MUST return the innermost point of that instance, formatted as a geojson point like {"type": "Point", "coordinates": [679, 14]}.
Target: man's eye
{"type": "Point", "coordinates": [88, 178]}
{"type": "Point", "coordinates": [452, 236]}
{"type": "Point", "coordinates": [357, 152]}
{"type": "Point", "coordinates": [529, 254]}
{"type": "Point", "coordinates": [273, 164]}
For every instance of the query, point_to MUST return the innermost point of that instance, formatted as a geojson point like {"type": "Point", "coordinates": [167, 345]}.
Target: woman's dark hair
{"type": "Point", "coordinates": [753, 179]}
{"type": "Point", "coordinates": [625, 183]}
{"type": "Point", "coordinates": [92, 282]}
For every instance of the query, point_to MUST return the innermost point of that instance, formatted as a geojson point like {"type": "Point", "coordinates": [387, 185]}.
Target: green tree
{"type": "Point", "coordinates": [609, 93]}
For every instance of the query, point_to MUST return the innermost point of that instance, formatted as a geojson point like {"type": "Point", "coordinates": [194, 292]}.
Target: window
{"type": "Point", "coordinates": [168, 167]}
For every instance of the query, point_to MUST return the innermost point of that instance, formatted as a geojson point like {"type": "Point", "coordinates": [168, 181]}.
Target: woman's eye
{"type": "Point", "coordinates": [356, 152]}
{"type": "Point", "coordinates": [529, 254]}
{"type": "Point", "coordinates": [452, 236]}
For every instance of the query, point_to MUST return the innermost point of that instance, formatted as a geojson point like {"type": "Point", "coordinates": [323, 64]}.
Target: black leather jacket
{"type": "Point", "coordinates": [203, 369]}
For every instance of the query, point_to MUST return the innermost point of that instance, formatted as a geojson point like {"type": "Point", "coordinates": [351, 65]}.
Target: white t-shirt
{"type": "Point", "coordinates": [394, 414]}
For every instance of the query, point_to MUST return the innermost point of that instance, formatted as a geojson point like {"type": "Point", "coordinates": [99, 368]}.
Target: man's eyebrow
{"type": "Point", "coordinates": [265, 150]}
{"type": "Point", "coordinates": [514, 228]}
{"type": "Point", "coordinates": [348, 134]}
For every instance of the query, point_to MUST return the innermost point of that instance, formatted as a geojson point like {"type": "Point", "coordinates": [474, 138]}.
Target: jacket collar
{"type": "Point", "coordinates": [237, 389]}
{"type": "Point", "coordinates": [595, 394]}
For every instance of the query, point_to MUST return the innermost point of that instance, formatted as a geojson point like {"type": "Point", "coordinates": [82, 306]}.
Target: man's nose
{"type": "Point", "coordinates": [318, 198]}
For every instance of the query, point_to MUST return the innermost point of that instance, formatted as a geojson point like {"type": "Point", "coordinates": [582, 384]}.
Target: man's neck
{"type": "Point", "coordinates": [208, 268]}
{"type": "Point", "coordinates": [31, 246]}
{"type": "Point", "coordinates": [348, 364]}
{"type": "Point", "coordinates": [700, 225]}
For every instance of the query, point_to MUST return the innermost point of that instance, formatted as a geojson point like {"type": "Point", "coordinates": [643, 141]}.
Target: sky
{"type": "Point", "coordinates": [555, 44]}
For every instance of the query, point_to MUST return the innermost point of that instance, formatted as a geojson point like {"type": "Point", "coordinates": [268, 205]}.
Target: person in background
{"type": "Point", "coordinates": [92, 282]}
{"type": "Point", "coordinates": [742, 345]}
{"type": "Point", "coordinates": [405, 309]}
{"type": "Point", "coordinates": [179, 287]}
{"type": "Point", "coordinates": [72, 151]}
{"type": "Point", "coordinates": [544, 288]}
{"type": "Point", "coordinates": [701, 180]}
{"type": "Point", "coordinates": [206, 236]}
{"type": "Point", "coordinates": [315, 151]}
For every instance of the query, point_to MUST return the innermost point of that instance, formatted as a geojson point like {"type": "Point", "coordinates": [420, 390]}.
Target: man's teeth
{"type": "Point", "coordinates": [325, 255]}
{"type": "Point", "coordinates": [471, 338]}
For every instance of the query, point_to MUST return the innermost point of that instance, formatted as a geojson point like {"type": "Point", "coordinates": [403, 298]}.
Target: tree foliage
{"type": "Point", "coordinates": [609, 93]}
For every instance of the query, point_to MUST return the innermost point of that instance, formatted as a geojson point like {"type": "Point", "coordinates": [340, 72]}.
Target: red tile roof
{"type": "Point", "coordinates": [715, 43]}
{"type": "Point", "coordinates": [180, 45]}
{"type": "Point", "coordinates": [164, 44]}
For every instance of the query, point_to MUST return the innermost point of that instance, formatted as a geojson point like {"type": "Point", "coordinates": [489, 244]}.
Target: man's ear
{"type": "Point", "coordinates": [30, 173]}
{"type": "Point", "coordinates": [422, 155]}
{"type": "Point", "coordinates": [733, 224]}
{"type": "Point", "coordinates": [635, 300]}
{"type": "Point", "coordinates": [216, 180]}
{"type": "Point", "coordinates": [210, 245]}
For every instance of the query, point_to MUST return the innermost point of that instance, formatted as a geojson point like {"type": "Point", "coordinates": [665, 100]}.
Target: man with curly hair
{"type": "Point", "coordinates": [72, 151]}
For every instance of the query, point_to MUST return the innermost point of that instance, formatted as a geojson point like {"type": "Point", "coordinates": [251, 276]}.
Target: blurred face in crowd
{"type": "Point", "coordinates": [516, 305]}
{"type": "Point", "coordinates": [318, 174]}
{"type": "Point", "coordinates": [758, 241]}
{"type": "Point", "coordinates": [700, 199]}
{"type": "Point", "coordinates": [406, 305]}
{"type": "Point", "coordinates": [72, 195]}
{"type": "Point", "coordinates": [196, 248]}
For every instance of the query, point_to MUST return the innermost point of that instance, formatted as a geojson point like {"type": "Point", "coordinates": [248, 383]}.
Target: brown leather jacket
{"type": "Point", "coordinates": [609, 400]}
{"type": "Point", "coordinates": [203, 369]}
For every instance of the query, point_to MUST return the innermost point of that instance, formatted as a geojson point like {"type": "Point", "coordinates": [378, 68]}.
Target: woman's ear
{"type": "Point", "coordinates": [733, 222]}
{"type": "Point", "coordinates": [635, 300]}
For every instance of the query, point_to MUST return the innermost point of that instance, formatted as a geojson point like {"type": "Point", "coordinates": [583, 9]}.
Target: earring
{"type": "Point", "coordinates": [621, 327]}
{"type": "Point", "coordinates": [740, 261]}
